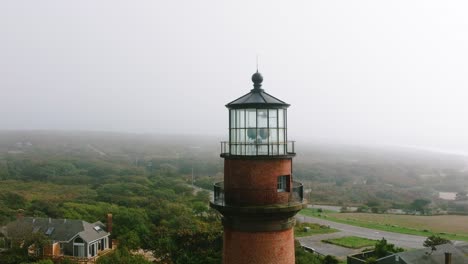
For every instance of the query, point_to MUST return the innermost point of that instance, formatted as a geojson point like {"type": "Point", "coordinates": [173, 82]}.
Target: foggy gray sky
{"type": "Point", "coordinates": [373, 72]}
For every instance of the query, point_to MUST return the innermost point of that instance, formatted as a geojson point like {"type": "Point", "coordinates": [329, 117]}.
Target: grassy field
{"type": "Point", "coordinates": [314, 229]}
{"type": "Point", "coordinates": [351, 242]}
{"type": "Point", "coordinates": [452, 227]}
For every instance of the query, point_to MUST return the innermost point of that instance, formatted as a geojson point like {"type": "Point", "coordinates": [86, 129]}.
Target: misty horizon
{"type": "Point", "coordinates": [363, 73]}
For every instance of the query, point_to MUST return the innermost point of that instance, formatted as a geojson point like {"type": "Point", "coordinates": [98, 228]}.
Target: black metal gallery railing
{"type": "Point", "coordinates": [296, 195]}
{"type": "Point", "coordinates": [218, 191]}
{"type": "Point", "coordinates": [297, 192]}
{"type": "Point", "coordinates": [257, 149]}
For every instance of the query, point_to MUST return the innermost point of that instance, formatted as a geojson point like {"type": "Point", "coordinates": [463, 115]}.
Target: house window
{"type": "Point", "coordinates": [2, 242]}
{"type": "Point", "coordinates": [92, 250]}
{"type": "Point", "coordinates": [49, 231]}
{"type": "Point", "coordinates": [283, 183]}
{"type": "Point", "coordinates": [78, 248]}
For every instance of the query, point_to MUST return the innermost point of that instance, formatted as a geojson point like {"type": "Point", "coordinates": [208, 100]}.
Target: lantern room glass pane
{"type": "Point", "coordinates": [233, 136]}
{"type": "Point", "coordinates": [262, 118]}
{"type": "Point", "coordinates": [251, 135]}
{"type": "Point", "coordinates": [263, 149]}
{"type": "Point", "coordinates": [251, 116]}
{"type": "Point", "coordinates": [240, 118]}
{"type": "Point", "coordinates": [281, 136]}
{"type": "Point", "coordinates": [273, 118]}
{"type": "Point", "coordinates": [250, 149]}
{"type": "Point", "coordinates": [233, 118]}
{"type": "Point", "coordinates": [240, 135]}
{"type": "Point", "coordinates": [237, 141]}
{"type": "Point", "coordinates": [262, 135]}
{"type": "Point", "coordinates": [281, 149]}
{"type": "Point", "coordinates": [273, 149]}
{"type": "Point", "coordinates": [273, 135]}
{"type": "Point", "coordinates": [233, 149]}
{"type": "Point", "coordinates": [281, 118]}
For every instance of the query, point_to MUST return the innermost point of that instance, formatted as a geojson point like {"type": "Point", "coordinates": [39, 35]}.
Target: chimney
{"type": "Point", "coordinates": [448, 258]}
{"type": "Point", "coordinates": [20, 214]}
{"type": "Point", "coordinates": [109, 223]}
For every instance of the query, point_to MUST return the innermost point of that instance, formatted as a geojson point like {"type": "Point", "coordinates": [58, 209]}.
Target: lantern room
{"type": "Point", "coordinates": [257, 124]}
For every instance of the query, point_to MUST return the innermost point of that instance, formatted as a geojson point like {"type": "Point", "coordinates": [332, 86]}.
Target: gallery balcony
{"type": "Point", "coordinates": [236, 201]}
{"type": "Point", "coordinates": [257, 149]}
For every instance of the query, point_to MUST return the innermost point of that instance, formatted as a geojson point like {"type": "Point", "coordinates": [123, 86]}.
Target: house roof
{"type": "Point", "coordinates": [422, 256]}
{"type": "Point", "coordinates": [56, 229]}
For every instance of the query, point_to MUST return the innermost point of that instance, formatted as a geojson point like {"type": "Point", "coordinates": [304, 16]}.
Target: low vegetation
{"type": "Point", "coordinates": [154, 207]}
{"type": "Point", "coordinates": [145, 182]}
{"type": "Point", "coordinates": [122, 256]}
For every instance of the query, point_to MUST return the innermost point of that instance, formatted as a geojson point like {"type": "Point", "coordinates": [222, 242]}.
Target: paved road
{"type": "Point", "coordinates": [400, 240]}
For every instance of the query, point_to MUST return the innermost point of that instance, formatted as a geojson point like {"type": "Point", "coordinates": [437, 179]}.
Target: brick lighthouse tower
{"type": "Point", "coordinates": [258, 198]}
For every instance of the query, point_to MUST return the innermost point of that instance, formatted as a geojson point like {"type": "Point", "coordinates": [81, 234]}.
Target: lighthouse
{"type": "Point", "coordinates": [258, 197]}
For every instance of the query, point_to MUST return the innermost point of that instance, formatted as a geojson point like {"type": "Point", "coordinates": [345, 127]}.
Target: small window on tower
{"type": "Point", "coordinates": [282, 185]}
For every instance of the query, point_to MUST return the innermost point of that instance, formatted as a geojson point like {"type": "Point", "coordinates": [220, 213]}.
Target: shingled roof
{"type": "Point", "coordinates": [459, 254]}
{"type": "Point", "coordinates": [56, 229]}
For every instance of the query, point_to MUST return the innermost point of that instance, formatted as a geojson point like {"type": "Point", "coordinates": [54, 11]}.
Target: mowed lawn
{"type": "Point", "coordinates": [351, 242]}
{"type": "Point", "coordinates": [312, 229]}
{"type": "Point", "coordinates": [453, 227]}
{"type": "Point", "coordinates": [454, 224]}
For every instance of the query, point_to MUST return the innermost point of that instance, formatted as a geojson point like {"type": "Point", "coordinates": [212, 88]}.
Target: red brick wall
{"type": "Point", "coordinates": [259, 247]}
{"type": "Point", "coordinates": [254, 182]}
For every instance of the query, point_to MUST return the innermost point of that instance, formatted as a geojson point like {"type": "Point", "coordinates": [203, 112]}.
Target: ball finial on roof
{"type": "Point", "coordinates": [257, 78]}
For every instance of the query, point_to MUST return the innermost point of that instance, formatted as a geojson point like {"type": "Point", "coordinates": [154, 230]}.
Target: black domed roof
{"type": "Point", "coordinates": [257, 98]}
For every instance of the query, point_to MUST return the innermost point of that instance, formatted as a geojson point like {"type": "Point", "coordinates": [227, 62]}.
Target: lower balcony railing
{"type": "Point", "coordinates": [257, 148]}
{"type": "Point", "coordinates": [296, 194]}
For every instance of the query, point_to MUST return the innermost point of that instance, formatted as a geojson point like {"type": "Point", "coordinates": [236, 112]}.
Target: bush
{"type": "Point", "coordinates": [330, 260]}
{"type": "Point", "coordinates": [44, 261]}
{"type": "Point", "coordinates": [122, 256]}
